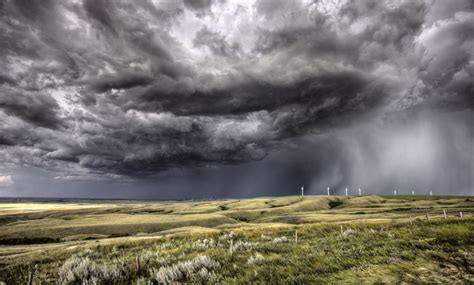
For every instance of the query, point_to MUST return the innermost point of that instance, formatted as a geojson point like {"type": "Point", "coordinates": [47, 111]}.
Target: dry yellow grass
{"type": "Point", "coordinates": [46, 232]}
{"type": "Point", "coordinates": [89, 220]}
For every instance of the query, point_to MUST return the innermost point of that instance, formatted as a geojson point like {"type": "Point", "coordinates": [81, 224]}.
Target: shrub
{"type": "Point", "coordinates": [280, 239]}
{"type": "Point", "coordinates": [348, 233]}
{"type": "Point", "coordinates": [165, 245]}
{"type": "Point", "coordinates": [86, 252]}
{"type": "Point", "coordinates": [78, 269]}
{"type": "Point", "coordinates": [228, 236]}
{"type": "Point", "coordinates": [152, 258]}
{"type": "Point", "coordinates": [204, 244]}
{"type": "Point", "coordinates": [114, 272]}
{"type": "Point", "coordinates": [265, 238]}
{"type": "Point", "coordinates": [241, 246]}
{"type": "Point", "coordinates": [256, 259]}
{"type": "Point", "coordinates": [200, 266]}
{"type": "Point", "coordinates": [244, 245]}
{"type": "Point", "coordinates": [167, 274]}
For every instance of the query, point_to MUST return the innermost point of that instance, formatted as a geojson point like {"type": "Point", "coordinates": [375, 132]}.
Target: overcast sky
{"type": "Point", "coordinates": [224, 98]}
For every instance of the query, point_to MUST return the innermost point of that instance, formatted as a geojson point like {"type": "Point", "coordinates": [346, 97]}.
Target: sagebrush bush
{"type": "Point", "coordinates": [347, 233]}
{"type": "Point", "coordinates": [265, 238]}
{"type": "Point", "coordinates": [205, 244]}
{"type": "Point", "coordinates": [280, 239]}
{"type": "Point", "coordinates": [79, 269]}
{"type": "Point", "coordinates": [114, 272]}
{"type": "Point", "coordinates": [256, 259]}
{"type": "Point", "coordinates": [152, 258]}
{"type": "Point", "coordinates": [165, 245]}
{"type": "Point", "coordinates": [201, 266]}
{"type": "Point", "coordinates": [86, 252]}
{"type": "Point", "coordinates": [228, 236]}
{"type": "Point", "coordinates": [241, 246]}
{"type": "Point", "coordinates": [244, 245]}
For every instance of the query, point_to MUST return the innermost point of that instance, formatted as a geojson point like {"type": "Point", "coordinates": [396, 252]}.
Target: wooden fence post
{"type": "Point", "coordinates": [137, 260]}
{"type": "Point", "coordinates": [231, 248]}
{"type": "Point", "coordinates": [31, 273]}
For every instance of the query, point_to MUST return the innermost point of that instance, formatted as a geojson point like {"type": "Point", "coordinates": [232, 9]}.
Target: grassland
{"type": "Point", "coordinates": [369, 239]}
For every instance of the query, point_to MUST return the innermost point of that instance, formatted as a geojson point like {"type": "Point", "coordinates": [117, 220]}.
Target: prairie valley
{"type": "Point", "coordinates": [290, 239]}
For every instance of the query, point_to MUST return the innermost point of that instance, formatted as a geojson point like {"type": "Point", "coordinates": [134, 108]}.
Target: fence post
{"type": "Point", "coordinates": [137, 261]}
{"type": "Point", "coordinates": [231, 248]}
{"type": "Point", "coordinates": [31, 273]}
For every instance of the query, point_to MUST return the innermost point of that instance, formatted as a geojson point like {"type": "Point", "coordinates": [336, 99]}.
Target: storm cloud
{"type": "Point", "coordinates": [123, 91]}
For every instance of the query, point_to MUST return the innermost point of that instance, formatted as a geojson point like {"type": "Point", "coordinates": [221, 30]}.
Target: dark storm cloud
{"type": "Point", "coordinates": [120, 89]}
{"type": "Point", "coordinates": [447, 69]}
{"type": "Point", "coordinates": [36, 108]}
{"type": "Point", "coordinates": [198, 4]}
{"type": "Point", "coordinates": [239, 98]}
{"type": "Point", "coordinates": [5, 79]}
{"type": "Point", "coordinates": [119, 81]}
{"type": "Point", "coordinates": [99, 11]}
{"type": "Point", "coordinates": [200, 7]}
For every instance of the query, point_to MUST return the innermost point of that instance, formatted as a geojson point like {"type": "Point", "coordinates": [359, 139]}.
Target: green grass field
{"type": "Point", "coordinates": [369, 239]}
